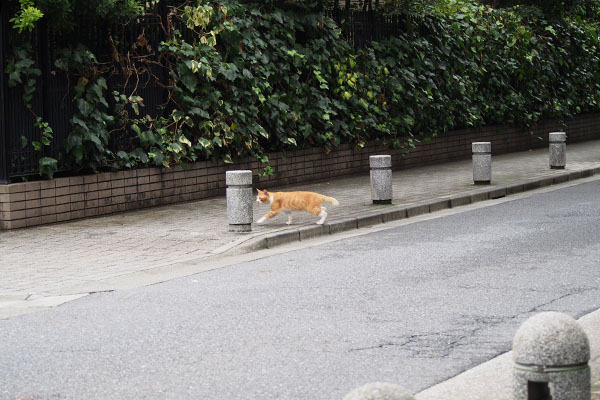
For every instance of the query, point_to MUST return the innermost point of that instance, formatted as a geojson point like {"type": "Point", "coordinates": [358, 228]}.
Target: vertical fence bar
{"type": "Point", "coordinates": [3, 141]}
{"type": "Point", "coordinates": [44, 81]}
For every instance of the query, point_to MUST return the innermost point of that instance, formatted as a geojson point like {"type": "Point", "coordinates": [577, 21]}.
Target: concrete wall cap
{"type": "Point", "coordinates": [551, 339]}
{"type": "Point", "coordinates": [379, 391]}
{"type": "Point", "coordinates": [481, 147]}
{"type": "Point", "coordinates": [238, 178]}
{"type": "Point", "coordinates": [384, 161]}
{"type": "Point", "coordinates": [557, 136]}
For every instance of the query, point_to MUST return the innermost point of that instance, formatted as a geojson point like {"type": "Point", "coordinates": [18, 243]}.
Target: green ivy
{"type": "Point", "coordinates": [247, 79]}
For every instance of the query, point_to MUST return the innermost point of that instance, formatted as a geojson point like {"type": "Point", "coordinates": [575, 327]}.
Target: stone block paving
{"type": "Point", "coordinates": [49, 259]}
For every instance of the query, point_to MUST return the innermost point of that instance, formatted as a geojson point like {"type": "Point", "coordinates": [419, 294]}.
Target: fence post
{"type": "Point", "coordinates": [551, 353]}
{"type": "Point", "coordinates": [3, 139]}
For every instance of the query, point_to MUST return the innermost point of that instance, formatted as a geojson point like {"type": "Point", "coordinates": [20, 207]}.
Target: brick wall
{"type": "Point", "coordinates": [62, 199]}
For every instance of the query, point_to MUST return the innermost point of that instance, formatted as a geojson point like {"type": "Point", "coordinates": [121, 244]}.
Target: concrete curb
{"type": "Point", "coordinates": [394, 213]}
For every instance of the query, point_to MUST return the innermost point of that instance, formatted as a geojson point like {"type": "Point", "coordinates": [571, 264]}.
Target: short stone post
{"type": "Point", "coordinates": [551, 353]}
{"type": "Point", "coordinates": [558, 150]}
{"type": "Point", "coordinates": [239, 200]}
{"type": "Point", "coordinates": [482, 162]}
{"type": "Point", "coordinates": [379, 391]}
{"type": "Point", "coordinates": [381, 179]}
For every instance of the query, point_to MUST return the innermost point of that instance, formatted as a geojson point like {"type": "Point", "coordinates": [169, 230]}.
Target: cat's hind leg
{"type": "Point", "coordinates": [323, 215]}
{"type": "Point", "coordinates": [289, 214]}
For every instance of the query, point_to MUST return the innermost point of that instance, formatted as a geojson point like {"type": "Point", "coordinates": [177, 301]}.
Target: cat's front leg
{"type": "Point", "coordinates": [270, 214]}
{"type": "Point", "coordinates": [289, 214]}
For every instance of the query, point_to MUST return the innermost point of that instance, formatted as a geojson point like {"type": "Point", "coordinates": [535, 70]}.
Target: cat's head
{"type": "Point", "coordinates": [263, 196]}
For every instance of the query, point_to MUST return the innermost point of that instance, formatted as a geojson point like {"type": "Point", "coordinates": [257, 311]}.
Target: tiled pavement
{"type": "Point", "coordinates": [49, 259]}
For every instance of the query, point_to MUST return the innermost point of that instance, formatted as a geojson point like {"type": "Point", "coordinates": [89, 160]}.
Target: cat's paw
{"type": "Point", "coordinates": [260, 221]}
{"type": "Point", "coordinates": [320, 222]}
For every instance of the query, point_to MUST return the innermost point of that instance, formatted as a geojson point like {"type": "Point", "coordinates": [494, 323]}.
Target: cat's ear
{"type": "Point", "coordinates": [258, 190]}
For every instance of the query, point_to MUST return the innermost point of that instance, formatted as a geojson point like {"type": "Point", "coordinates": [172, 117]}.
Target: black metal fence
{"type": "Point", "coordinates": [360, 27]}
{"type": "Point", "coordinates": [52, 100]}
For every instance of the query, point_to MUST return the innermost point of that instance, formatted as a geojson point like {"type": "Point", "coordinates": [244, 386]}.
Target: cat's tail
{"type": "Point", "coordinates": [331, 200]}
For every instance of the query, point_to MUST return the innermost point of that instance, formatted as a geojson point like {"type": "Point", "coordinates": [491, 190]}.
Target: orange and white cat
{"type": "Point", "coordinates": [294, 201]}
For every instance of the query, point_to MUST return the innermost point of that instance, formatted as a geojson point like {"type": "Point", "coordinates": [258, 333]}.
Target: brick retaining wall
{"type": "Point", "coordinates": [62, 199]}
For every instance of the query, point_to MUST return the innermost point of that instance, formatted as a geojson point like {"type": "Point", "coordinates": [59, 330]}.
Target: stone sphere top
{"type": "Point", "coordinates": [481, 147]}
{"type": "Point", "coordinates": [380, 161]}
{"type": "Point", "coordinates": [551, 339]}
{"type": "Point", "coordinates": [557, 136]}
{"type": "Point", "coordinates": [379, 391]}
{"type": "Point", "coordinates": [238, 178]}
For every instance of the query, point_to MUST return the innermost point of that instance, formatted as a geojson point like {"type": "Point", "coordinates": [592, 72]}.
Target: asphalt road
{"type": "Point", "coordinates": [412, 305]}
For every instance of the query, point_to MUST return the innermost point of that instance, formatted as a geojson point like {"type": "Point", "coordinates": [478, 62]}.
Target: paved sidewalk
{"type": "Point", "coordinates": [48, 260]}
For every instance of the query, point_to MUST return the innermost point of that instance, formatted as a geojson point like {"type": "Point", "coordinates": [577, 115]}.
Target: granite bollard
{"type": "Point", "coordinates": [239, 200]}
{"type": "Point", "coordinates": [379, 391]}
{"type": "Point", "coordinates": [482, 162]}
{"type": "Point", "coordinates": [381, 179]}
{"type": "Point", "coordinates": [551, 353]}
{"type": "Point", "coordinates": [558, 150]}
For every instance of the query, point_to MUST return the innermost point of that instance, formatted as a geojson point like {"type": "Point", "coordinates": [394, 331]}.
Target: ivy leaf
{"type": "Point", "coordinates": [95, 140]}
{"type": "Point", "coordinates": [78, 154]}
{"type": "Point", "coordinates": [148, 138]}
{"type": "Point", "coordinates": [184, 140]}
{"type": "Point", "coordinates": [48, 166]}
{"type": "Point", "coordinates": [189, 81]}
{"type": "Point", "coordinates": [199, 112]}
{"type": "Point", "coordinates": [158, 158]}
{"type": "Point", "coordinates": [85, 107]}
{"type": "Point", "coordinates": [277, 16]}
{"type": "Point", "coordinates": [205, 143]}
{"type": "Point", "coordinates": [230, 72]}
{"type": "Point", "coordinates": [78, 121]}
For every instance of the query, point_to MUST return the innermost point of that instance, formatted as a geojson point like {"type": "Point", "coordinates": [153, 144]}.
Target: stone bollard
{"type": "Point", "coordinates": [482, 162]}
{"type": "Point", "coordinates": [379, 391]}
{"type": "Point", "coordinates": [558, 150]}
{"type": "Point", "coordinates": [551, 353]}
{"type": "Point", "coordinates": [381, 179]}
{"type": "Point", "coordinates": [239, 200]}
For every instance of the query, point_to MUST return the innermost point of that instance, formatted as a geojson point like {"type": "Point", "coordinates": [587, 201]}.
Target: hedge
{"type": "Point", "coordinates": [247, 79]}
